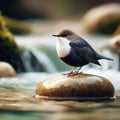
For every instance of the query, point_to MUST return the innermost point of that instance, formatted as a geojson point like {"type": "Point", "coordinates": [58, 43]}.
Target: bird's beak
{"type": "Point", "coordinates": [56, 35]}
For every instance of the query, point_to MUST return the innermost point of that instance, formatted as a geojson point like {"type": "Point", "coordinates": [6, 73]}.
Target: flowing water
{"type": "Point", "coordinates": [18, 101]}
{"type": "Point", "coordinates": [35, 60]}
{"type": "Point", "coordinates": [17, 95]}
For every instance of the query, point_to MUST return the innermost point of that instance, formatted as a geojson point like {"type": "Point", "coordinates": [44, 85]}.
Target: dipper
{"type": "Point", "coordinates": [76, 51]}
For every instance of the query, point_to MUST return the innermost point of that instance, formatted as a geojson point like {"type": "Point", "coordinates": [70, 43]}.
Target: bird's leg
{"type": "Point", "coordinates": [75, 72]}
{"type": "Point", "coordinates": [79, 69]}
{"type": "Point", "coordinates": [72, 71]}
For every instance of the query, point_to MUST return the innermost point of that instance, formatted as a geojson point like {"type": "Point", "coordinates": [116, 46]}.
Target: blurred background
{"type": "Point", "coordinates": [26, 42]}
{"type": "Point", "coordinates": [46, 11]}
{"type": "Point", "coordinates": [53, 9]}
{"type": "Point", "coordinates": [32, 22]}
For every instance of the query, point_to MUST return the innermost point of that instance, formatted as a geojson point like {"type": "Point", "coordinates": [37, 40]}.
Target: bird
{"type": "Point", "coordinates": [75, 51]}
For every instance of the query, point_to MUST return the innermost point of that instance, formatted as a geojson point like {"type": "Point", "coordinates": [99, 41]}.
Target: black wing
{"type": "Point", "coordinates": [84, 50]}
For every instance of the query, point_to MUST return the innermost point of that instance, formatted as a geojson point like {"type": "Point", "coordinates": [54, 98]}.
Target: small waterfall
{"type": "Point", "coordinates": [34, 60]}
{"type": "Point", "coordinates": [44, 60]}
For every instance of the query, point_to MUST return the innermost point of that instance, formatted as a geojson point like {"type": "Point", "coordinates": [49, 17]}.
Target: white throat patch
{"type": "Point", "coordinates": [63, 48]}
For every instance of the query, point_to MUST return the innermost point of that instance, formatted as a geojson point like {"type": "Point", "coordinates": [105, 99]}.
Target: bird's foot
{"type": "Point", "coordinates": [68, 73]}
{"type": "Point", "coordinates": [71, 73]}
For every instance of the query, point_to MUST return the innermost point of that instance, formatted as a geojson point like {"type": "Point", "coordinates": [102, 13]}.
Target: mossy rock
{"type": "Point", "coordinates": [78, 87]}
{"type": "Point", "coordinates": [10, 52]}
{"type": "Point", "coordinates": [17, 27]}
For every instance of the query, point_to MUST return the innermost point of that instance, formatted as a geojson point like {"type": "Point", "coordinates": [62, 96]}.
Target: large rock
{"type": "Point", "coordinates": [10, 52]}
{"type": "Point", "coordinates": [115, 42]}
{"type": "Point", "coordinates": [78, 87]}
{"type": "Point", "coordinates": [102, 19]}
{"type": "Point", "coordinates": [6, 70]}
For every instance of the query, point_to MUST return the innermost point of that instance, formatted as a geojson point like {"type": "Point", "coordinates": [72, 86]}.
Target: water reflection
{"type": "Point", "coordinates": [21, 103]}
{"type": "Point", "coordinates": [17, 101]}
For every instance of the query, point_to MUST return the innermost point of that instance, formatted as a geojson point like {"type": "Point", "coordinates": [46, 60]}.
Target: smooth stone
{"type": "Point", "coordinates": [78, 87]}
{"type": "Point", "coordinates": [115, 43]}
{"type": "Point", "coordinates": [6, 70]}
{"type": "Point", "coordinates": [102, 19]}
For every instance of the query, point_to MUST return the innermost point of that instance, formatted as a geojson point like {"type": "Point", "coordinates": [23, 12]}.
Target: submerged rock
{"type": "Point", "coordinates": [103, 19]}
{"type": "Point", "coordinates": [78, 87]}
{"type": "Point", "coordinates": [6, 70]}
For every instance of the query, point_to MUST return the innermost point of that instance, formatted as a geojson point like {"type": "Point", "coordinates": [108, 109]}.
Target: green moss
{"type": "Point", "coordinates": [108, 27]}
{"type": "Point", "coordinates": [9, 51]}
{"type": "Point", "coordinates": [17, 27]}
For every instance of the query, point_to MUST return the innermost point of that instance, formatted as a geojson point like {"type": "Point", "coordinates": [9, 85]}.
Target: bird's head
{"type": "Point", "coordinates": [68, 34]}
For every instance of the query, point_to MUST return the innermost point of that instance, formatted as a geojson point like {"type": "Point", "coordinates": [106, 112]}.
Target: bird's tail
{"type": "Point", "coordinates": [102, 57]}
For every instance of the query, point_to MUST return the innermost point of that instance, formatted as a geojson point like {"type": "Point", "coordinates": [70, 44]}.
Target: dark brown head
{"type": "Point", "coordinates": [68, 34]}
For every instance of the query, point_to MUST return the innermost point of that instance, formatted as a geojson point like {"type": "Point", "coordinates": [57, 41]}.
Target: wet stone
{"type": "Point", "coordinates": [78, 87]}
{"type": "Point", "coordinates": [6, 70]}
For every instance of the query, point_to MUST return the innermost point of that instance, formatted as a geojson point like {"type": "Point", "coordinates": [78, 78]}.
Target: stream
{"type": "Point", "coordinates": [17, 95]}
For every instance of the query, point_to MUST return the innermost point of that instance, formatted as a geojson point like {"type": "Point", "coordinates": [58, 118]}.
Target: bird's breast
{"type": "Point", "coordinates": [63, 48]}
{"type": "Point", "coordinates": [63, 51]}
